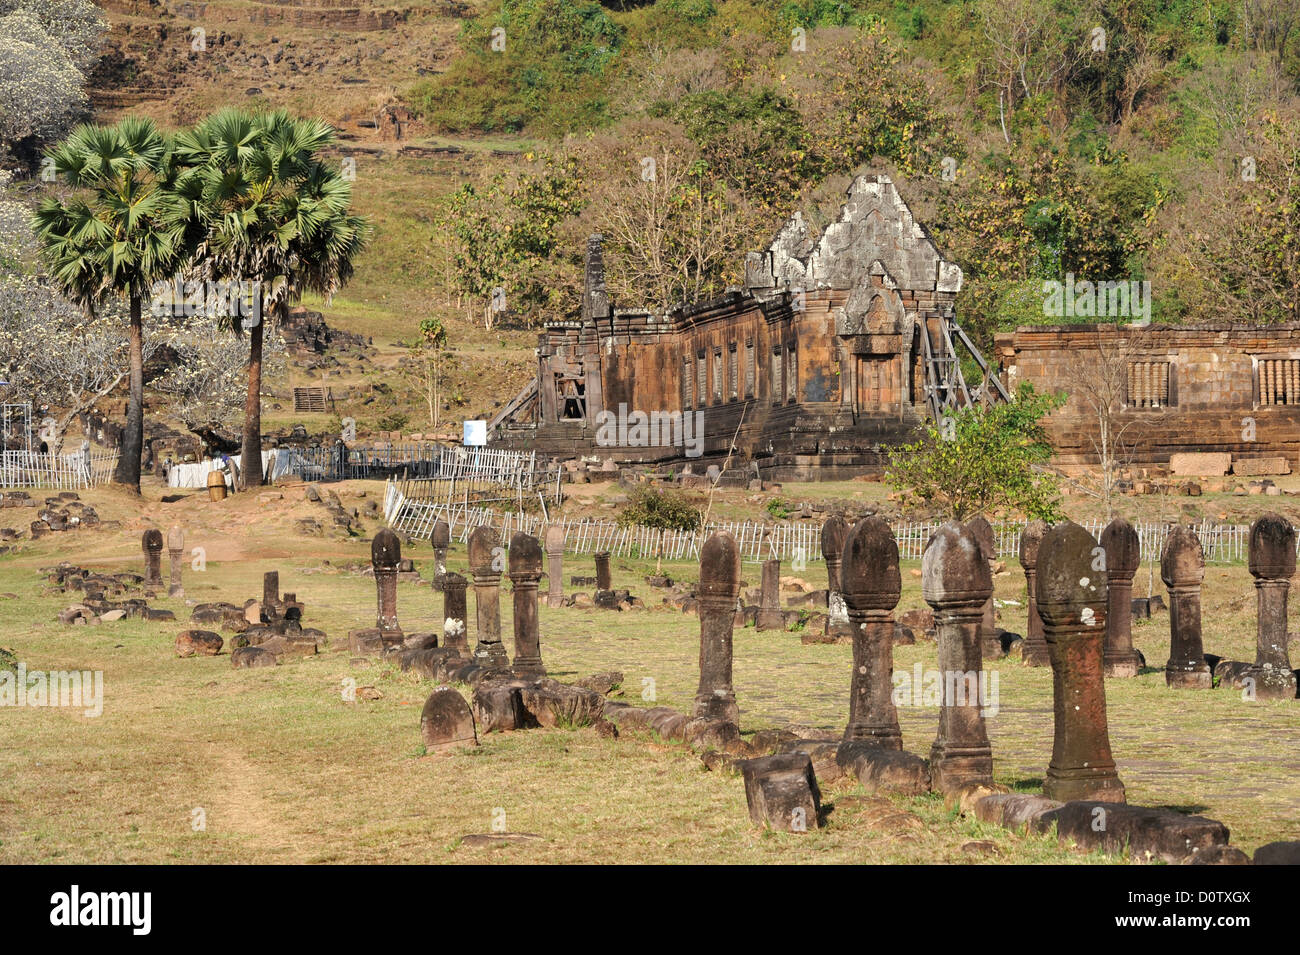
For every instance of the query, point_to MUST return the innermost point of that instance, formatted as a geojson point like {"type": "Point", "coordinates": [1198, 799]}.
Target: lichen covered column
{"type": "Point", "coordinates": [1123, 553]}
{"type": "Point", "coordinates": [872, 585]}
{"type": "Point", "coordinates": [1182, 568]}
{"type": "Point", "coordinates": [834, 531]}
{"type": "Point", "coordinates": [1034, 650]}
{"type": "Point", "coordinates": [486, 560]}
{"type": "Point", "coordinates": [716, 600]}
{"type": "Point", "coordinates": [1272, 564]}
{"type": "Point", "coordinates": [1072, 603]}
{"type": "Point", "coordinates": [525, 572]}
{"type": "Point", "coordinates": [957, 584]}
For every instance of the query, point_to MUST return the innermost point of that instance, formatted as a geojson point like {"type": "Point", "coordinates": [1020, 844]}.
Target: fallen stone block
{"type": "Point", "coordinates": [250, 657]}
{"type": "Point", "coordinates": [1147, 833]}
{"type": "Point", "coordinates": [498, 708]}
{"type": "Point", "coordinates": [782, 792]}
{"type": "Point", "coordinates": [191, 643]}
{"type": "Point", "coordinates": [1278, 853]}
{"type": "Point", "coordinates": [1219, 855]}
{"type": "Point", "coordinates": [1200, 464]}
{"type": "Point", "coordinates": [1258, 467]}
{"type": "Point", "coordinates": [551, 703]}
{"type": "Point", "coordinates": [1013, 810]}
{"type": "Point", "coordinates": [884, 770]}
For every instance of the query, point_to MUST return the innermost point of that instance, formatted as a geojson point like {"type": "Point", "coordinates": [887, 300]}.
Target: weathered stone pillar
{"type": "Point", "coordinates": [454, 614]}
{"type": "Point", "coordinates": [837, 615]}
{"type": "Point", "coordinates": [957, 584]}
{"type": "Point", "coordinates": [525, 572]}
{"type": "Point", "coordinates": [440, 538]}
{"type": "Point", "coordinates": [1072, 603]}
{"type": "Point", "coordinates": [176, 560]}
{"type": "Point", "coordinates": [990, 641]}
{"type": "Point", "coordinates": [385, 555]}
{"type": "Point", "coordinates": [1182, 568]}
{"type": "Point", "coordinates": [872, 585]}
{"type": "Point", "coordinates": [485, 563]}
{"type": "Point", "coordinates": [1272, 564]}
{"type": "Point", "coordinates": [1123, 556]}
{"type": "Point", "coordinates": [719, 587]}
{"type": "Point", "coordinates": [152, 544]}
{"type": "Point", "coordinates": [769, 615]}
{"type": "Point", "coordinates": [1033, 651]}
{"type": "Point", "coordinates": [603, 581]}
{"type": "Point", "coordinates": [555, 566]}
{"type": "Point", "coordinates": [271, 588]}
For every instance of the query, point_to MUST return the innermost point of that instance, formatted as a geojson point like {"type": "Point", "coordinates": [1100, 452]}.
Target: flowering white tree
{"type": "Point", "coordinates": [51, 352]}
{"type": "Point", "coordinates": [206, 383]}
{"type": "Point", "coordinates": [42, 87]}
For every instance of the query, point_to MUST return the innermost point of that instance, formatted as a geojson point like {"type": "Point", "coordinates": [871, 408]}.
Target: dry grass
{"type": "Point", "coordinates": [286, 771]}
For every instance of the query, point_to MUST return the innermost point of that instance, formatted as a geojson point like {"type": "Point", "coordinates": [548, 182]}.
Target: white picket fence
{"type": "Point", "coordinates": [789, 541]}
{"type": "Point", "coordinates": [62, 472]}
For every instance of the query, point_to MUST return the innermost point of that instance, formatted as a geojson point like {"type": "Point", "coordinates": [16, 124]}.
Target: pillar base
{"type": "Point", "coordinates": [991, 646]}
{"type": "Point", "coordinates": [529, 669]}
{"type": "Point", "coordinates": [1121, 665]}
{"type": "Point", "coordinates": [373, 640]}
{"type": "Point", "coordinates": [769, 620]}
{"type": "Point", "coordinates": [717, 707]}
{"type": "Point", "coordinates": [1035, 654]}
{"type": "Point", "coordinates": [491, 655]}
{"type": "Point", "coordinates": [1070, 785]}
{"type": "Point", "coordinates": [885, 737]}
{"type": "Point", "coordinates": [555, 600]}
{"type": "Point", "coordinates": [954, 766]}
{"type": "Point", "coordinates": [176, 592]}
{"type": "Point", "coordinates": [1194, 677]}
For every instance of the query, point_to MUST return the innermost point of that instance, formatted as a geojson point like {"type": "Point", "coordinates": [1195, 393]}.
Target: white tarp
{"type": "Point", "coordinates": [196, 475]}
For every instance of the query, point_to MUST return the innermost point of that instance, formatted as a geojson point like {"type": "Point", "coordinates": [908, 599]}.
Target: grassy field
{"type": "Point", "coordinates": [284, 770]}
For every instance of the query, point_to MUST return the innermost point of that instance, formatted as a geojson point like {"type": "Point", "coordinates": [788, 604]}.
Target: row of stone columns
{"type": "Point", "coordinates": [1272, 562]}
{"type": "Point", "coordinates": [957, 584]}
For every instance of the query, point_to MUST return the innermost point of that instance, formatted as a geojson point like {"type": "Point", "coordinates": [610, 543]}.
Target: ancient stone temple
{"type": "Point", "coordinates": [838, 343]}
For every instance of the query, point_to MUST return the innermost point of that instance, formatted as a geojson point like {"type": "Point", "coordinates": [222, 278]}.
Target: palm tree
{"type": "Point", "coordinates": [258, 205]}
{"type": "Point", "coordinates": [112, 240]}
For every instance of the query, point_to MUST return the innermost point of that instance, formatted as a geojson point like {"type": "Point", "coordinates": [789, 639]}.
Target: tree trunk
{"type": "Point", "coordinates": [127, 472]}
{"type": "Point", "coordinates": [250, 454]}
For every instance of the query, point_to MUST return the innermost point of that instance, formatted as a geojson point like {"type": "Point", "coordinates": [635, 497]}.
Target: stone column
{"type": "Point", "coordinates": [1182, 568]}
{"type": "Point", "coordinates": [440, 538]}
{"type": "Point", "coordinates": [1072, 603]}
{"type": "Point", "coordinates": [385, 555]}
{"type": "Point", "coordinates": [872, 585]}
{"type": "Point", "coordinates": [1033, 651]}
{"type": "Point", "coordinates": [454, 614]}
{"type": "Point", "coordinates": [957, 584]}
{"type": "Point", "coordinates": [486, 564]}
{"type": "Point", "coordinates": [271, 588]}
{"type": "Point", "coordinates": [769, 611]}
{"type": "Point", "coordinates": [555, 566]}
{"type": "Point", "coordinates": [990, 641]}
{"type": "Point", "coordinates": [152, 544]}
{"type": "Point", "coordinates": [176, 560]}
{"type": "Point", "coordinates": [837, 615]}
{"type": "Point", "coordinates": [1272, 564]}
{"type": "Point", "coordinates": [525, 572]}
{"type": "Point", "coordinates": [716, 601]}
{"type": "Point", "coordinates": [603, 581]}
{"type": "Point", "coordinates": [1123, 556]}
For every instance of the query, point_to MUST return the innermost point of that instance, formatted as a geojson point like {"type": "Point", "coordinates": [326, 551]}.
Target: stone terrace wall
{"type": "Point", "coordinates": [1215, 387]}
